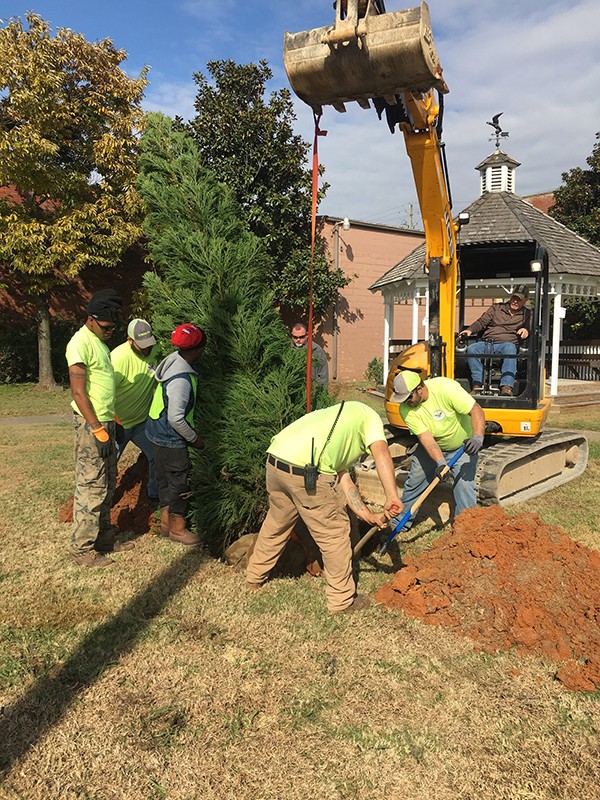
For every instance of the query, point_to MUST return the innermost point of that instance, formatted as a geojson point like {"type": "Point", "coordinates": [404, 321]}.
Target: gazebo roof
{"type": "Point", "coordinates": [504, 217]}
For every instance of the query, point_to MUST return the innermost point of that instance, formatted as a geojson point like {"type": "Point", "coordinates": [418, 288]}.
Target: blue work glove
{"type": "Point", "coordinates": [474, 444]}
{"type": "Point", "coordinates": [441, 465]}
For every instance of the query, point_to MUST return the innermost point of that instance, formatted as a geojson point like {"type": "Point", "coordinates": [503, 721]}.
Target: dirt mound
{"type": "Point", "coordinates": [132, 508]}
{"type": "Point", "coordinates": [509, 581]}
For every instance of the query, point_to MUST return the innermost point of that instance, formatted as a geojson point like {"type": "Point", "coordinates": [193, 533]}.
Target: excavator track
{"type": "Point", "coordinates": [516, 470]}
{"type": "Point", "coordinates": [509, 471]}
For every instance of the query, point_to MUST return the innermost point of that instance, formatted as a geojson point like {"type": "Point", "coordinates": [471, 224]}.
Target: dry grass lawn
{"type": "Point", "coordinates": [161, 677]}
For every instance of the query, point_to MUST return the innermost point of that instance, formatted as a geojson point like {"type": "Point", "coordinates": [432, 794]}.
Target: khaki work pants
{"type": "Point", "coordinates": [95, 482]}
{"type": "Point", "coordinates": [325, 515]}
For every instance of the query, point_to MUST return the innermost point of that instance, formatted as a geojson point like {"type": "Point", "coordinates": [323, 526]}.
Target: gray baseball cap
{"type": "Point", "coordinates": [141, 332]}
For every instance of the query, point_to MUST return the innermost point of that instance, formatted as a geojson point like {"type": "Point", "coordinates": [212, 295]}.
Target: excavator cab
{"type": "Point", "coordinates": [494, 271]}
{"type": "Point", "coordinates": [365, 54]}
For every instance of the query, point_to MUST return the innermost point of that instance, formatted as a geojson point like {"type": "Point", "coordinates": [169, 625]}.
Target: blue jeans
{"type": "Point", "coordinates": [509, 365]}
{"type": "Point", "coordinates": [137, 435]}
{"type": "Point", "coordinates": [422, 472]}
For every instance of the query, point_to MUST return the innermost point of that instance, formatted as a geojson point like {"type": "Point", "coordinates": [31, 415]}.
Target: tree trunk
{"type": "Point", "coordinates": [45, 372]}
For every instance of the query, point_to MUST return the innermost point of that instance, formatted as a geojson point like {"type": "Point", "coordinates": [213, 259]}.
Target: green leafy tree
{"type": "Point", "coordinates": [212, 273]}
{"type": "Point", "coordinates": [250, 144]}
{"type": "Point", "coordinates": [69, 118]}
{"type": "Point", "coordinates": [577, 205]}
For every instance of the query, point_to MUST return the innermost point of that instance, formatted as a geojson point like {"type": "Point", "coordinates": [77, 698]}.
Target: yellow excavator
{"type": "Point", "coordinates": [389, 60]}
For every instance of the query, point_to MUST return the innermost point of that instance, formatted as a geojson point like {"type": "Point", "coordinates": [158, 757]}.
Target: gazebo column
{"type": "Point", "coordinates": [558, 316]}
{"type": "Point", "coordinates": [388, 330]}
{"type": "Point", "coordinates": [415, 318]}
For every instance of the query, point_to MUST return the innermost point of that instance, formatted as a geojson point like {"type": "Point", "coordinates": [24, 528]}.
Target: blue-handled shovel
{"type": "Point", "coordinates": [409, 513]}
{"type": "Point", "coordinates": [415, 506]}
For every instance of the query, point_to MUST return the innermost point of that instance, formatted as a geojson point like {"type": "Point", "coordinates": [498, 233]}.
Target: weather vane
{"type": "Point", "coordinates": [498, 132]}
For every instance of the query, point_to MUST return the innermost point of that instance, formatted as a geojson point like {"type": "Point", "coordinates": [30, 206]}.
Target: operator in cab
{"type": "Point", "coordinates": [503, 326]}
{"type": "Point", "coordinates": [443, 417]}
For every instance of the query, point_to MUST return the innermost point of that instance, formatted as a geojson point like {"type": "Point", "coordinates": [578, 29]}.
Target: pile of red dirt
{"type": "Point", "coordinates": [509, 581]}
{"type": "Point", "coordinates": [132, 508]}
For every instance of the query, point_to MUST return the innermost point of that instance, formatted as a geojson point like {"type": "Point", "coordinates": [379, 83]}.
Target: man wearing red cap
{"type": "Point", "coordinates": [170, 429]}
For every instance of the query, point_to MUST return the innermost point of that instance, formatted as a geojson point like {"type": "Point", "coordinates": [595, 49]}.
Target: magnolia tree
{"type": "Point", "coordinates": [248, 140]}
{"type": "Point", "coordinates": [69, 122]}
{"type": "Point", "coordinates": [577, 205]}
{"type": "Point", "coordinates": [212, 271]}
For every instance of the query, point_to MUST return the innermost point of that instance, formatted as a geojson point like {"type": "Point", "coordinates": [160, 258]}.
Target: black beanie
{"type": "Point", "coordinates": [105, 305]}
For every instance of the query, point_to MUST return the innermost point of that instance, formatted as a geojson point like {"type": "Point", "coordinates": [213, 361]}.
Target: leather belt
{"type": "Point", "coordinates": [284, 466]}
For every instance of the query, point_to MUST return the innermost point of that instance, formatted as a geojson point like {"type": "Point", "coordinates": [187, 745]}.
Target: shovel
{"type": "Point", "coordinates": [409, 513]}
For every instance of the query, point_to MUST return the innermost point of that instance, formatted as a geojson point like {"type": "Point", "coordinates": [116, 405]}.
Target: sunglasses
{"type": "Point", "coordinates": [303, 336]}
{"type": "Point", "coordinates": [107, 328]}
{"type": "Point", "coordinates": [411, 395]}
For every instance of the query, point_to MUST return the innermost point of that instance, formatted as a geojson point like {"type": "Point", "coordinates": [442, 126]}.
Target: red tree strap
{"type": "Point", "coordinates": [313, 234]}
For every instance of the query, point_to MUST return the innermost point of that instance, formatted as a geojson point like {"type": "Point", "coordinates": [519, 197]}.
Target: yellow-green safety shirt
{"type": "Point", "coordinates": [445, 414]}
{"type": "Point", "coordinates": [357, 428]}
{"type": "Point", "coordinates": [85, 348]}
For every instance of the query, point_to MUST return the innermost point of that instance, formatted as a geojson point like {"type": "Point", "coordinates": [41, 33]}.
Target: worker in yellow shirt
{"type": "Point", "coordinates": [134, 363]}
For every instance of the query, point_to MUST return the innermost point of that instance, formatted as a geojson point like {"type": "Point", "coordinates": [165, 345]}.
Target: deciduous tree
{"type": "Point", "coordinates": [577, 205]}
{"type": "Point", "coordinates": [69, 121]}
{"type": "Point", "coordinates": [250, 144]}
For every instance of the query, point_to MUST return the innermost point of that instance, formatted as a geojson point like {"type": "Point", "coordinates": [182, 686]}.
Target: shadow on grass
{"type": "Point", "coordinates": [26, 721]}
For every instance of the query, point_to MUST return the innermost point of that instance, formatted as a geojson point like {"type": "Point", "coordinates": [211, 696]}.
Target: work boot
{"type": "Point", "coordinates": [164, 522]}
{"type": "Point", "coordinates": [108, 542]}
{"type": "Point", "coordinates": [359, 603]}
{"type": "Point", "coordinates": [506, 391]}
{"type": "Point", "coordinates": [179, 533]}
{"type": "Point", "coordinates": [93, 559]}
{"type": "Point", "coordinates": [477, 390]}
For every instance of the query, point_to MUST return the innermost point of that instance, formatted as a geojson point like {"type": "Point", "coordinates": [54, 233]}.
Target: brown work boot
{"type": "Point", "coordinates": [93, 559]}
{"type": "Point", "coordinates": [359, 603]}
{"type": "Point", "coordinates": [164, 522]}
{"type": "Point", "coordinates": [180, 534]}
{"type": "Point", "coordinates": [253, 587]}
{"type": "Point", "coordinates": [506, 391]}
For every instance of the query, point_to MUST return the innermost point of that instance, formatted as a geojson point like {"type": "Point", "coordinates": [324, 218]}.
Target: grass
{"type": "Point", "coordinates": [25, 399]}
{"type": "Point", "coordinates": [162, 678]}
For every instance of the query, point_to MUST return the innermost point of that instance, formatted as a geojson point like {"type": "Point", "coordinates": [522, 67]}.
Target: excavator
{"type": "Point", "coordinates": [388, 60]}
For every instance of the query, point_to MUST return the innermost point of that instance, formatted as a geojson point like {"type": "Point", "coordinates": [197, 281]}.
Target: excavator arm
{"type": "Point", "coordinates": [389, 59]}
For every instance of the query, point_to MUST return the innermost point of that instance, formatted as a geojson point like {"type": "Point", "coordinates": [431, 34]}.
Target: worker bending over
{"type": "Point", "coordinates": [307, 478]}
{"type": "Point", "coordinates": [443, 416]}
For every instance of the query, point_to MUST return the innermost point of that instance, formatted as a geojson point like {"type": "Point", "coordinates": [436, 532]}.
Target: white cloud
{"type": "Point", "coordinates": [172, 99]}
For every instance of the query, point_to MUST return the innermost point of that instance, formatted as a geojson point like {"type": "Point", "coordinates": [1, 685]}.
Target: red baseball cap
{"type": "Point", "coordinates": [187, 336]}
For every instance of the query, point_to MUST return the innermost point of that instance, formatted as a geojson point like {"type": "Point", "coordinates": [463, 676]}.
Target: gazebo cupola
{"type": "Point", "coordinates": [498, 169]}
{"type": "Point", "coordinates": [498, 172]}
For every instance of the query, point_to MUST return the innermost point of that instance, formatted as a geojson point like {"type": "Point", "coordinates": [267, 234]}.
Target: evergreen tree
{"type": "Point", "coordinates": [250, 144]}
{"type": "Point", "coordinates": [213, 273]}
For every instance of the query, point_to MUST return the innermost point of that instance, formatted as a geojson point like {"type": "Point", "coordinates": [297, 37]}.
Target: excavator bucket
{"type": "Point", "coordinates": [365, 54]}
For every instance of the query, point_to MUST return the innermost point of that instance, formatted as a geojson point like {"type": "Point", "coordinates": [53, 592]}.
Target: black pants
{"type": "Point", "coordinates": [172, 473]}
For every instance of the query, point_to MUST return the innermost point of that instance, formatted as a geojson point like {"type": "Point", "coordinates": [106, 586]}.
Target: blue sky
{"type": "Point", "coordinates": [535, 61]}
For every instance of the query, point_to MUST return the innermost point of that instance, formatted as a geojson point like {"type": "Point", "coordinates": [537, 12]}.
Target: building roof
{"type": "Point", "coordinates": [504, 217]}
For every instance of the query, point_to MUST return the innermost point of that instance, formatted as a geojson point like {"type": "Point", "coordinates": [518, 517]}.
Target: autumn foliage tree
{"type": "Point", "coordinates": [69, 121]}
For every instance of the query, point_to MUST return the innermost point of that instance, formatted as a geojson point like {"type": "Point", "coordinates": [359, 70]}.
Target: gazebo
{"type": "Point", "coordinates": [499, 216]}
